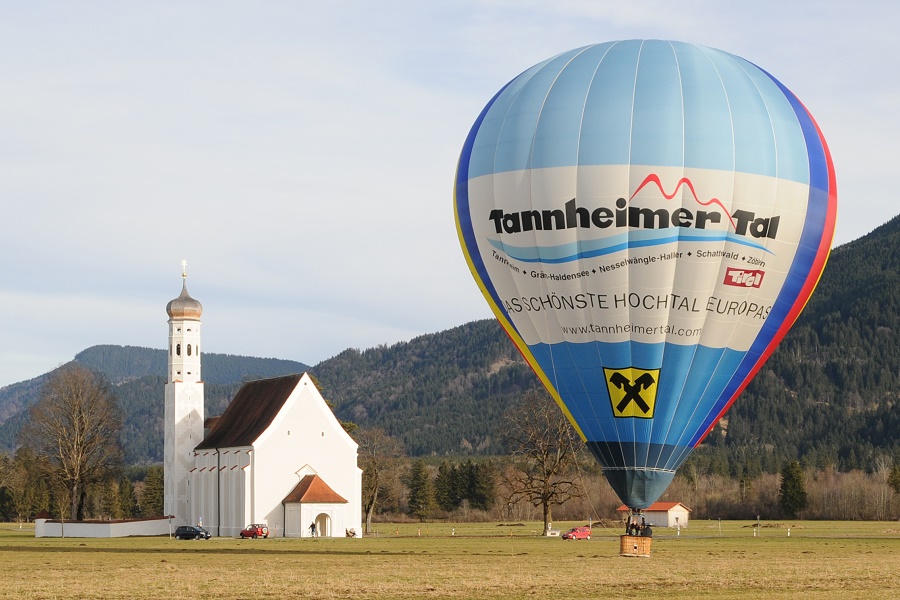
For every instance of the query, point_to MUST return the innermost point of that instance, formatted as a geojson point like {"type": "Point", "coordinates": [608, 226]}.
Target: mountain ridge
{"type": "Point", "coordinates": [829, 395]}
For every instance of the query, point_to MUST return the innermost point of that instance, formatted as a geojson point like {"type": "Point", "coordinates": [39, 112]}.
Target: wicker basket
{"type": "Point", "coordinates": [633, 545]}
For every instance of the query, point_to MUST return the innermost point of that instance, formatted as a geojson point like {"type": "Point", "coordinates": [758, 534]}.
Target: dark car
{"type": "Point", "coordinates": [188, 532]}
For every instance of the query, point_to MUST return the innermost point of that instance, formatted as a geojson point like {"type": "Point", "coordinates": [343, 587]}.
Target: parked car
{"type": "Point", "coordinates": [188, 532]}
{"type": "Point", "coordinates": [578, 533]}
{"type": "Point", "coordinates": [254, 531]}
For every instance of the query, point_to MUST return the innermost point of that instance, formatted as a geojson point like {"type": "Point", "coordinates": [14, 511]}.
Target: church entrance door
{"type": "Point", "coordinates": [323, 525]}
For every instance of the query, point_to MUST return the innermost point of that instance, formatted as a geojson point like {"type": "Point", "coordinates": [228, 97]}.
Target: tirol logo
{"type": "Point", "coordinates": [743, 277]}
{"type": "Point", "coordinates": [570, 215]}
{"type": "Point", "coordinates": [632, 391]}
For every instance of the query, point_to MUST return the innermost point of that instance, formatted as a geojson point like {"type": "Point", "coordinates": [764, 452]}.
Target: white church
{"type": "Point", "coordinates": [276, 456]}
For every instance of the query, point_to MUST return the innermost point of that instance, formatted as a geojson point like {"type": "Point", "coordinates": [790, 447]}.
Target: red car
{"type": "Point", "coordinates": [578, 533]}
{"type": "Point", "coordinates": [254, 531]}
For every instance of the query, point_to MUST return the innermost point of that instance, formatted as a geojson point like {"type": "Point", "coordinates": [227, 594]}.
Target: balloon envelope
{"type": "Point", "coordinates": [646, 220]}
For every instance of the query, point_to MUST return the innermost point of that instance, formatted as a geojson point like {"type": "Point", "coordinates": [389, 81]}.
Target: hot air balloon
{"type": "Point", "coordinates": [646, 220]}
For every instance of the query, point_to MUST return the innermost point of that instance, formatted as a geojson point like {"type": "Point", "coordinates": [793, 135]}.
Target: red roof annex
{"type": "Point", "coordinates": [313, 489]}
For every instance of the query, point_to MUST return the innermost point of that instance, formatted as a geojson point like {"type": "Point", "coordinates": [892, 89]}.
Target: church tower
{"type": "Point", "coordinates": [184, 402]}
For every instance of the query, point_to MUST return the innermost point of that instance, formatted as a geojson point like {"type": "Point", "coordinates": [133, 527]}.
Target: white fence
{"type": "Point", "coordinates": [102, 529]}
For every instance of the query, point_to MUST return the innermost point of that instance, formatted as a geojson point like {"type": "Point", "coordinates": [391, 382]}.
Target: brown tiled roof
{"type": "Point", "coordinates": [313, 488]}
{"type": "Point", "coordinates": [250, 413]}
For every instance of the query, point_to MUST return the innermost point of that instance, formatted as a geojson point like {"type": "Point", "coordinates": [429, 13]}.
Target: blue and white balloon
{"type": "Point", "coordinates": [646, 219]}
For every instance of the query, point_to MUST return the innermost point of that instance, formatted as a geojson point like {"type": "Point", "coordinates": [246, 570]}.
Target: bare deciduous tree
{"type": "Point", "coordinates": [377, 453]}
{"type": "Point", "coordinates": [75, 425]}
{"type": "Point", "coordinates": [546, 450]}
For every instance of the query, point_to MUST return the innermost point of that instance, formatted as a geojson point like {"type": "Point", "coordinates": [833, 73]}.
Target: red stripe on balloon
{"type": "Point", "coordinates": [815, 273]}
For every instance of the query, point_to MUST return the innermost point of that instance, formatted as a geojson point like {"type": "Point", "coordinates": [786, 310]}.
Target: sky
{"type": "Point", "coordinates": [300, 156]}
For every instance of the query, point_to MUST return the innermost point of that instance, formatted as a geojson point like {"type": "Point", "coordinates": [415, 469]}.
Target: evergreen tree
{"type": "Point", "coordinates": [421, 491]}
{"type": "Point", "coordinates": [792, 497]}
{"type": "Point", "coordinates": [445, 495]}
{"type": "Point", "coordinates": [152, 496]}
{"type": "Point", "coordinates": [27, 482]}
{"type": "Point", "coordinates": [109, 499]}
{"type": "Point", "coordinates": [894, 479]}
{"type": "Point", "coordinates": [127, 503]}
{"type": "Point", "coordinates": [482, 486]}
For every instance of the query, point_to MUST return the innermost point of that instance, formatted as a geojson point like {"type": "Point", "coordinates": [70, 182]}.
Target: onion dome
{"type": "Point", "coordinates": [184, 307]}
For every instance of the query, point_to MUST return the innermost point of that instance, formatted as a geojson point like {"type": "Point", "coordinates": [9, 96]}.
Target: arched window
{"type": "Point", "coordinates": [189, 349]}
{"type": "Point", "coordinates": [177, 349]}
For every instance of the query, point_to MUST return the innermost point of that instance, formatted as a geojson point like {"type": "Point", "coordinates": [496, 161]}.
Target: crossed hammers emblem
{"type": "Point", "coordinates": [632, 391]}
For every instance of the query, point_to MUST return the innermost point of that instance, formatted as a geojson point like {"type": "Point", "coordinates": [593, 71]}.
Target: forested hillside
{"type": "Point", "coordinates": [121, 364]}
{"type": "Point", "coordinates": [828, 396]}
{"type": "Point", "coordinates": [441, 394]}
{"type": "Point", "coordinates": [138, 377]}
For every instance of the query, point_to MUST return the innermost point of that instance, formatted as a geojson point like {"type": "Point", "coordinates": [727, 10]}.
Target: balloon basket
{"type": "Point", "coordinates": [635, 545]}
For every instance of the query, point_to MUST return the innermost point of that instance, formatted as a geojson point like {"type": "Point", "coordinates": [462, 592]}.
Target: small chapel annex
{"type": "Point", "coordinates": [276, 456]}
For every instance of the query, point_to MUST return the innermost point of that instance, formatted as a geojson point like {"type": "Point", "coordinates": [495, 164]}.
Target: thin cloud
{"type": "Point", "coordinates": [301, 157]}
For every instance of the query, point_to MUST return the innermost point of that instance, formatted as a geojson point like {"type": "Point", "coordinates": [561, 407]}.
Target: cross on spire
{"type": "Point", "coordinates": [184, 269]}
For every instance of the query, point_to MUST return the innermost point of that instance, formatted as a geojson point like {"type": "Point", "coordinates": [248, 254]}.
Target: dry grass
{"type": "Point", "coordinates": [818, 560]}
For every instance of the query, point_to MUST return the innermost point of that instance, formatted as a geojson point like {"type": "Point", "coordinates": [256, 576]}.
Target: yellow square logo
{"type": "Point", "coordinates": [632, 391]}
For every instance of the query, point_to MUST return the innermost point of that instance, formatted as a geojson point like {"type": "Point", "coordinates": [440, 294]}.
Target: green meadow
{"type": "Point", "coordinates": [710, 559]}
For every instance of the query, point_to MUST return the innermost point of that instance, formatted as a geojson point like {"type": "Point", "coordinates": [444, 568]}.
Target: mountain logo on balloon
{"type": "Point", "coordinates": [632, 391]}
{"type": "Point", "coordinates": [684, 181]}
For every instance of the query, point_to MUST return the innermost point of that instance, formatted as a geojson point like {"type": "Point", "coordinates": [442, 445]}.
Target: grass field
{"type": "Point", "coordinates": [708, 560]}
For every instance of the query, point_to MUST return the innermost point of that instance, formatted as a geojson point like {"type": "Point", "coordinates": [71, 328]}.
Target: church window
{"type": "Point", "coordinates": [189, 349]}
{"type": "Point", "coordinates": [177, 349]}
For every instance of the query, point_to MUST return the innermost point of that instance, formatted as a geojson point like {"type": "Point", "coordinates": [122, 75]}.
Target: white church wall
{"type": "Point", "coordinates": [199, 482]}
{"type": "Point", "coordinates": [305, 431]}
{"type": "Point", "coordinates": [233, 487]}
{"type": "Point", "coordinates": [237, 485]}
{"type": "Point", "coordinates": [331, 520]}
{"type": "Point", "coordinates": [184, 430]}
{"type": "Point", "coordinates": [293, 521]}
{"type": "Point", "coordinates": [222, 475]}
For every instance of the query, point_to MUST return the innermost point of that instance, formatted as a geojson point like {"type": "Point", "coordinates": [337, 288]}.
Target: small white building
{"type": "Point", "coordinates": [664, 514]}
{"type": "Point", "coordinates": [277, 456]}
